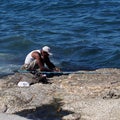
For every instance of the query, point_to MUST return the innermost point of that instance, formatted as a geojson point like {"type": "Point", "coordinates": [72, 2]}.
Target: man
{"type": "Point", "coordinates": [37, 59]}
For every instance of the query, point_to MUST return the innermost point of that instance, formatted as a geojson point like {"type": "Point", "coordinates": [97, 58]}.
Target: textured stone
{"type": "Point", "coordinates": [89, 95]}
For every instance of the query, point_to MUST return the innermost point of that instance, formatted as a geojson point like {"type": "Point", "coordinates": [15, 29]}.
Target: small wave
{"type": "Point", "coordinates": [12, 43]}
{"type": "Point", "coordinates": [8, 69]}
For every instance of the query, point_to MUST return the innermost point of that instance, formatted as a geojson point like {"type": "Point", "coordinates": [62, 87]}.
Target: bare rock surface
{"type": "Point", "coordinates": [87, 95]}
{"type": "Point", "coordinates": [4, 116]}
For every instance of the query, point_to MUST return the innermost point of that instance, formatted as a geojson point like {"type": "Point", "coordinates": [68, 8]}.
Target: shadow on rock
{"type": "Point", "coordinates": [52, 111]}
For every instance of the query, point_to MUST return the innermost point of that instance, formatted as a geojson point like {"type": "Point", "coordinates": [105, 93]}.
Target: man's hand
{"type": "Point", "coordinates": [56, 69]}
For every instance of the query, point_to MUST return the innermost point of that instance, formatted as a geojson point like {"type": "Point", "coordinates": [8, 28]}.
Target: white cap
{"type": "Point", "coordinates": [47, 49]}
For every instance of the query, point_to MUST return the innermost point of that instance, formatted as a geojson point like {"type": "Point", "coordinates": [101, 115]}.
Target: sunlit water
{"type": "Point", "coordinates": [83, 34]}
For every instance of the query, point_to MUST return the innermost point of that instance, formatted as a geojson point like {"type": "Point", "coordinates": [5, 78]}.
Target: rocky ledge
{"type": "Point", "coordinates": [89, 95]}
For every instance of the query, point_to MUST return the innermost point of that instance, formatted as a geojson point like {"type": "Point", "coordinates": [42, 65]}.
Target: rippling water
{"type": "Point", "coordinates": [83, 34]}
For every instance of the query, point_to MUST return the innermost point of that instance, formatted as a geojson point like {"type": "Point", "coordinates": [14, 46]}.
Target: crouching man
{"type": "Point", "coordinates": [37, 59]}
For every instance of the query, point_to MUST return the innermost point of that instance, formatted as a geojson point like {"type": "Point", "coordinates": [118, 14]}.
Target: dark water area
{"type": "Point", "coordinates": [82, 34]}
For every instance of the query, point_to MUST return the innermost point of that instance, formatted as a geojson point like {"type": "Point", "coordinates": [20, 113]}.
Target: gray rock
{"type": "Point", "coordinates": [84, 96]}
{"type": "Point", "coordinates": [11, 117]}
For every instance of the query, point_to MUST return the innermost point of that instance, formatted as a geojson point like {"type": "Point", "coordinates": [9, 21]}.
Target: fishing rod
{"type": "Point", "coordinates": [62, 72]}
{"type": "Point", "coordinates": [44, 72]}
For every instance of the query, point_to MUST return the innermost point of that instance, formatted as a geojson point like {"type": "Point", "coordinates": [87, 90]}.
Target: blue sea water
{"type": "Point", "coordinates": [82, 34]}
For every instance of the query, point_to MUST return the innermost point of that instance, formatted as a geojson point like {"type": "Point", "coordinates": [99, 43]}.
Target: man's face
{"type": "Point", "coordinates": [45, 54]}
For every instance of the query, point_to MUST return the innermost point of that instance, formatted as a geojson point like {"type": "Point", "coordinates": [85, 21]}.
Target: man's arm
{"type": "Point", "coordinates": [37, 56]}
{"type": "Point", "coordinates": [51, 65]}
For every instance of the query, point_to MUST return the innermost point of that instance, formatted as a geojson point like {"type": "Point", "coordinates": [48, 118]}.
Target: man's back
{"type": "Point", "coordinates": [29, 57]}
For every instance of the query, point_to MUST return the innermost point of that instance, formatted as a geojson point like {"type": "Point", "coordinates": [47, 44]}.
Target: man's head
{"type": "Point", "coordinates": [46, 50]}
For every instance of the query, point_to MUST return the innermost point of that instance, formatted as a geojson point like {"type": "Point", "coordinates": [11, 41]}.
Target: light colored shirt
{"type": "Point", "coordinates": [29, 57]}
